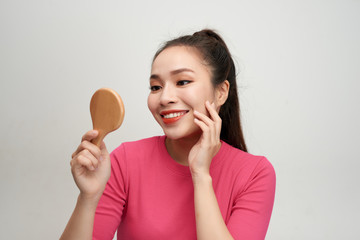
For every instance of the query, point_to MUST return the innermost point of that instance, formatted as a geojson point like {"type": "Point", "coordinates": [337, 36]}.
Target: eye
{"type": "Point", "coordinates": [154, 88]}
{"type": "Point", "coordinates": [183, 82]}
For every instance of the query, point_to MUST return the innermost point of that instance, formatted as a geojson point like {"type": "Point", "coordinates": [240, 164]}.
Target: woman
{"type": "Point", "coordinates": [197, 181]}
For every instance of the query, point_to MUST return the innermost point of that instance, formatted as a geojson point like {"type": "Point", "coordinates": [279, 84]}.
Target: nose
{"type": "Point", "coordinates": [168, 95]}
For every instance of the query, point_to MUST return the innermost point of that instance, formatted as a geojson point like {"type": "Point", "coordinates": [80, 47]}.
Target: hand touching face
{"type": "Point", "coordinates": [180, 83]}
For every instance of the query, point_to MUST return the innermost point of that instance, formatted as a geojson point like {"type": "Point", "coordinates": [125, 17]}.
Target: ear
{"type": "Point", "coordinates": [222, 93]}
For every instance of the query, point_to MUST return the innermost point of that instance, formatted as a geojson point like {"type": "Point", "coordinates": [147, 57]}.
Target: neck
{"type": "Point", "coordinates": [179, 148]}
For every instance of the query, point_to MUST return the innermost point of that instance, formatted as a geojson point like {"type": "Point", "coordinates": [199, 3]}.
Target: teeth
{"type": "Point", "coordinates": [173, 115]}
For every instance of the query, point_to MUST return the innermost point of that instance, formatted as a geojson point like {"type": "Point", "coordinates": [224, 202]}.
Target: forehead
{"type": "Point", "coordinates": [177, 57]}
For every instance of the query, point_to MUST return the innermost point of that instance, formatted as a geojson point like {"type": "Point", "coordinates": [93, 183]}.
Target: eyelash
{"type": "Point", "coordinates": [154, 88]}
{"type": "Point", "coordinates": [179, 83]}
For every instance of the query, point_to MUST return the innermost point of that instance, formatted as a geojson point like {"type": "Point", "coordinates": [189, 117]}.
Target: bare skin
{"type": "Point", "coordinates": [209, 221]}
{"type": "Point", "coordinates": [91, 168]}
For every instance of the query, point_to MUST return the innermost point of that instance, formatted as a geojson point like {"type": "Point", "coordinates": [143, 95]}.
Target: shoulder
{"type": "Point", "coordinates": [247, 164]}
{"type": "Point", "coordinates": [251, 173]}
{"type": "Point", "coordinates": [138, 146]}
{"type": "Point", "coordinates": [239, 156]}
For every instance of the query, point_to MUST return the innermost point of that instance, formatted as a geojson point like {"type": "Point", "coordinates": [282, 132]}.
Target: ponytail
{"type": "Point", "coordinates": [217, 55]}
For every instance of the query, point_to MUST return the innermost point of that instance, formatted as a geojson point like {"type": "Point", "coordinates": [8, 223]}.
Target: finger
{"type": "Point", "coordinates": [95, 161]}
{"type": "Point", "coordinates": [207, 127]}
{"type": "Point", "coordinates": [203, 117]}
{"type": "Point", "coordinates": [90, 147]}
{"type": "Point", "coordinates": [93, 149]}
{"type": "Point", "coordinates": [81, 162]}
{"type": "Point", "coordinates": [85, 154]}
{"type": "Point", "coordinates": [215, 117]}
{"type": "Point", "coordinates": [90, 135]}
{"type": "Point", "coordinates": [212, 110]}
{"type": "Point", "coordinates": [210, 124]}
{"type": "Point", "coordinates": [206, 132]}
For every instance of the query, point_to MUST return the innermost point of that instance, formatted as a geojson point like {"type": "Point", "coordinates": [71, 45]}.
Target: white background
{"type": "Point", "coordinates": [299, 72]}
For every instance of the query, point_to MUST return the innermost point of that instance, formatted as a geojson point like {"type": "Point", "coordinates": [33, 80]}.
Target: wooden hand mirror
{"type": "Point", "coordinates": [107, 112]}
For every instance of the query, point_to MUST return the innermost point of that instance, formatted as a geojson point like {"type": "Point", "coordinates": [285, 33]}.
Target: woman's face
{"type": "Point", "coordinates": [180, 83]}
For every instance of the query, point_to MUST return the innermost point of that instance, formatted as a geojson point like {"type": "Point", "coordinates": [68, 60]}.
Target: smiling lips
{"type": "Point", "coordinates": [172, 116]}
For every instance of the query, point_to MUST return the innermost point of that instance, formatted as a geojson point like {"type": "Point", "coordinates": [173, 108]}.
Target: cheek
{"type": "Point", "coordinates": [151, 103]}
{"type": "Point", "coordinates": [196, 102]}
{"type": "Point", "coordinates": [197, 99]}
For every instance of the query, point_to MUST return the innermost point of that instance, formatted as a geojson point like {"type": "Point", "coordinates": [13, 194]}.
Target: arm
{"type": "Point", "coordinates": [209, 222]}
{"type": "Point", "coordinates": [252, 207]}
{"type": "Point", "coordinates": [80, 225]}
{"type": "Point", "coordinates": [90, 167]}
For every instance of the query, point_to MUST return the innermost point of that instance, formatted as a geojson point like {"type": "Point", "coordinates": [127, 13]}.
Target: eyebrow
{"type": "Point", "coordinates": [177, 71]}
{"type": "Point", "coordinates": [174, 72]}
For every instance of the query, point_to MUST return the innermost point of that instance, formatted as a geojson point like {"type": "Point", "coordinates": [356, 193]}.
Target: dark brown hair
{"type": "Point", "coordinates": [216, 54]}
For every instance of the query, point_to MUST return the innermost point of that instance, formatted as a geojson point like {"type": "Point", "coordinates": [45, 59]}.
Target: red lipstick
{"type": "Point", "coordinates": [171, 116]}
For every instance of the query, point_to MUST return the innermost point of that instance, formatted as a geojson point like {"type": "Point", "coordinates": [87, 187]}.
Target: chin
{"type": "Point", "coordinates": [177, 135]}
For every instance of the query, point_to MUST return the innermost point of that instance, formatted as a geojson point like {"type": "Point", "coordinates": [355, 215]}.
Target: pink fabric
{"type": "Point", "coordinates": [150, 196]}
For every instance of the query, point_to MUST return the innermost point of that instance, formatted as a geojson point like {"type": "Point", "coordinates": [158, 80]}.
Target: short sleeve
{"type": "Point", "coordinates": [112, 203]}
{"type": "Point", "coordinates": [251, 212]}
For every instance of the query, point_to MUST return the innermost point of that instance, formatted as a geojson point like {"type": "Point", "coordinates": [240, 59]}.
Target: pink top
{"type": "Point", "coordinates": [150, 196]}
